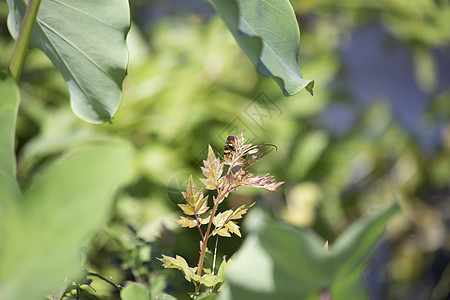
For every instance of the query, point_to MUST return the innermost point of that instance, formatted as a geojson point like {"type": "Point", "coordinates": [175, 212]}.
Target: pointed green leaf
{"type": "Point", "coordinates": [67, 203]}
{"type": "Point", "coordinates": [193, 194]}
{"type": "Point", "coordinates": [211, 155]}
{"type": "Point", "coordinates": [201, 206]}
{"type": "Point", "coordinates": [209, 184]}
{"type": "Point", "coordinates": [86, 42]}
{"type": "Point", "coordinates": [268, 32]}
{"type": "Point", "coordinates": [180, 263]}
{"type": "Point", "coordinates": [240, 211]}
{"type": "Point", "coordinates": [222, 232]}
{"type": "Point", "coordinates": [353, 249]}
{"type": "Point", "coordinates": [221, 218]}
{"type": "Point", "coordinates": [187, 209]}
{"type": "Point", "coordinates": [209, 280]}
{"type": "Point", "coordinates": [233, 227]}
{"type": "Point", "coordinates": [221, 270]}
{"type": "Point", "coordinates": [278, 261]}
{"type": "Point", "coordinates": [134, 291]}
{"type": "Point", "coordinates": [307, 152]}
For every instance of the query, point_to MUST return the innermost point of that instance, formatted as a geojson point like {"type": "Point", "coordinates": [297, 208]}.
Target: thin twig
{"type": "Point", "coordinates": [116, 285]}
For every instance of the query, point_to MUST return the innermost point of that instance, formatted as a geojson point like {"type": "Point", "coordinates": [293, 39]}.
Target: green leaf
{"type": "Point", "coordinates": [193, 194]}
{"type": "Point", "coordinates": [134, 291]}
{"type": "Point", "coordinates": [9, 106]}
{"type": "Point", "coordinates": [187, 209]}
{"type": "Point", "coordinates": [180, 263]}
{"type": "Point", "coordinates": [186, 222]}
{"type": "Point", "coordinates": [222, 232]}
{"type": "Point", "coordinates": [209, 280]}
{"type": "Point", "coordinates": [233, 227]}
{"type": "Point", "coordinates": [66, 204]}
{"type": "Point", "coordinates": [308, 151]}
{"type": "Point", "coordinates": [268, 32]}
{"type": "Point", "coordinates": [278, 261]}
{"type": "Point", "coordinates": [86, 42]}
{"type": "Point", "coordinates": [163, 296]}
{"type": "Point", "coordinates": [352, 251]}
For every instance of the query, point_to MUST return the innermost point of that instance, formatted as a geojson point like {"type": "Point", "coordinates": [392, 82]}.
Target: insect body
{"type": "Point", "coordinates": [249, 157]}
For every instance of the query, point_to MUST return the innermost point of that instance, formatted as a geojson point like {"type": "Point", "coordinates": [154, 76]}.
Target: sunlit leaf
{"type": "Point", "coordinates": [221, 218]}
{"type": "Point", "coordinates": [268, 33]}
{"type": "Point", "coordinates": [86, 41]}
{"type": "Point", "coordinates": [212, 170]}
{"type": "Point", "coordinates": [240, 211]}
{"type": "Point", "coordinates": [209, 183]}
{"type": "Point", "coordinates": [209, 280]}
{"type": "Point", "coordinates": [233, 227]}
{"type": "Point", "coordinates": [193, 194]}
{"type": "Point", "coordinates": [187, 209]}
{"type": "Point", "coordinates": [180, 264]}
{"type": "Point", "coordinates": [202, 206]}
{"type": "Point", "coordinates": [134, 291]}
{"type": "Point", "coordinates": [186, 222]}
{"type": "Point", "coordinates": [222, 232]}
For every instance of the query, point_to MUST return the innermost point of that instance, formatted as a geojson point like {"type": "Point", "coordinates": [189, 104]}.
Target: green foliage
{"type": "Point", "coordinates": [57, 214]}
{"type": "Point", "coordinates": [282, 262]}
{"type": "Point", "coordinates": [188, 82]}
{"type": "Point", "coordinates": [236, 155]}
{"type": "Point", "coordinates": [85, 40]}
{"type": "Point", "coordinates": [134, 291]}
{"type": "Point", "coordinates": [271, 45]}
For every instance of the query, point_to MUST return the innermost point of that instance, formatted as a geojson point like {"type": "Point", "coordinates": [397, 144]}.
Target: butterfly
{"type": "Point", "coordinates": [247, 158]}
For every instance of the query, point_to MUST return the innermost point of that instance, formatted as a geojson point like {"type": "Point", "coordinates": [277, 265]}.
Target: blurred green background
{"type": "Point", "coordinates": [377, 126]}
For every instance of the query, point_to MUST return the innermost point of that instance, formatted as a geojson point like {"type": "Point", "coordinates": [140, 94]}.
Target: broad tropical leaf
{"type": "Point", "coordinates": [268, 32]}
{"type": "Point", "coordinates": [85, 40]}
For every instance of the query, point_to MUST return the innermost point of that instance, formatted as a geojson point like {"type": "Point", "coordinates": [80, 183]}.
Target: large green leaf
{"type": "Point", "coordinates": [85, 40]}
{"type": "Point", "coordinates": [9, 105]}
{"type": "Point", "coordinates": [278, 261]}
{"type": "Point", "coordinates": [268, 32]}
{"type": "Point", "coordinates": [67, 202]}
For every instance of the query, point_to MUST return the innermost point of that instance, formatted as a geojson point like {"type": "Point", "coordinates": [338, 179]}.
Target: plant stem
{"type": "Point", "coordinates": [204, 242]}
{"type": "Point", "coordinates": [23, 40]}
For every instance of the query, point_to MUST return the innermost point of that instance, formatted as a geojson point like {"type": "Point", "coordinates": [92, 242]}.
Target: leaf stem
{"type": "Point", "coordinates": [23, 40]}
